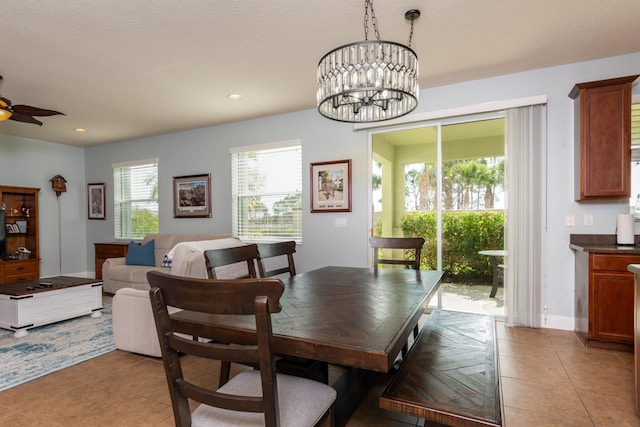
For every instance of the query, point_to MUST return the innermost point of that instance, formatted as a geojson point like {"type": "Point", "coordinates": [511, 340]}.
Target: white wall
{"type": "Point", "coordinates": [31, 163]}
{"type": "Point", "coordinates": [207, 150]}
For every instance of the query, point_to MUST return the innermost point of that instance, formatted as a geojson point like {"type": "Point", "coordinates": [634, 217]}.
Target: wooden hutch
{"type": "Point", "coordinates": [19, 250]}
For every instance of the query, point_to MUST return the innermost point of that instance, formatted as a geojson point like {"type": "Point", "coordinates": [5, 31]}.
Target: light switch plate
{"type": "Point", "coordinates": [341, 222]}
{"type": "Point", "coordinates": [588, 219]}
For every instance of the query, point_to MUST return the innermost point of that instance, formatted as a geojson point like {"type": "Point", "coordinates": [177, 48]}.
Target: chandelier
{"type": "Point", "coordinates": [371, 80]}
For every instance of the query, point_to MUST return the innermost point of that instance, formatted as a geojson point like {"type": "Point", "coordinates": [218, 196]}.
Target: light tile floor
{"type": "Point", "coordinates": [548, 379]}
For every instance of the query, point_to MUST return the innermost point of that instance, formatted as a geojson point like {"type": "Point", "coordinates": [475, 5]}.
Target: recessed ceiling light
{"type": "Point", "coordinates": [80, 130]}
{"type": "Point", "coordinates": [235, 96]}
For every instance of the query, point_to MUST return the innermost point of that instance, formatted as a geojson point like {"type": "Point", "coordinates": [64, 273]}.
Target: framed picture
{"type": "Point", "coordinates": [97, 201]}
{"type": "Point", "coordinates": [22, 225]}
{"type": "Point", "coordinates": [331, 186]}
{"type": "Point", "coordinates": [192, 196]}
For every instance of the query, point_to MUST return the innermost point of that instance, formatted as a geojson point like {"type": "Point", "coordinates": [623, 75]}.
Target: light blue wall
{"type": "Point", "coordinates": [207, 150]}
{"type": "Point", "coordinates": [31, 163]}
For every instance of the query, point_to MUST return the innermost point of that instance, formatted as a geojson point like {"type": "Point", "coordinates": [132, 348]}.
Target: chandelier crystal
{"type": "Point", "coordinates": [371, 80]}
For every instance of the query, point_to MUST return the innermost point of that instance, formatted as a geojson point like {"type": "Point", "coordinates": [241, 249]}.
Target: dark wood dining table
{"type": "Point", "coordinates": [358, 318]}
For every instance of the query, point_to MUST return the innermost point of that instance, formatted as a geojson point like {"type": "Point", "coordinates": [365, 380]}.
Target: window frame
{"type": "Point", "coordinates": [288, 224]}
{"type": "Point", "coordinates": [123, 227]}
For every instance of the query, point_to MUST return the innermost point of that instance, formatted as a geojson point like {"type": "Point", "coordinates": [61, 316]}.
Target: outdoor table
{"type": "Point", "coordinates": [495, 265]}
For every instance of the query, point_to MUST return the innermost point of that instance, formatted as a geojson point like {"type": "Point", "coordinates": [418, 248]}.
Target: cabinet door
{"type": "Point", "coordinates": [603, 138]}
{"type": "Point", "coordinates": [104, 251]}
{"type": "Point", "coordinates": [612, 306]}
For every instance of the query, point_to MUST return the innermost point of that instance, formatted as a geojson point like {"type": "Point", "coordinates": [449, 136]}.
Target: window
{"type": "Point", "coordinates": [135, 199]}
{"type": "Point", "coordinates": [267, 192]}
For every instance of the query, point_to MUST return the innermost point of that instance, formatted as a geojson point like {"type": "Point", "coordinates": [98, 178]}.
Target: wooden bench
{"type": "Point", "coordinates": [450, 376]}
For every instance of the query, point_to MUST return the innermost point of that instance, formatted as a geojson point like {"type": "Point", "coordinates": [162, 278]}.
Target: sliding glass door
{"type": "Point", "coordinates": [444, 181]}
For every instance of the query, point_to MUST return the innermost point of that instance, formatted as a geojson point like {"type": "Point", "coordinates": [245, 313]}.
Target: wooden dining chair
{"type": "Point", "coordinates": [224, 257]}
{"type": "Point", "coordinates": [298, 366]}
{"type": "Point", "coordinates": [221, 257]}
{"type": "Point", "coordinates": [414, 244]}
{"type": "Point", "coordinates": [252, 397]}
{"type": "Point", "coordinates": [407, 243]}
{"type": "Point", "coordinates": [278, 249]}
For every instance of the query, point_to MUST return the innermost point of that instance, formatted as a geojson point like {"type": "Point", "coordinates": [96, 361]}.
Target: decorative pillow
{"type": "Point", "coordinates": [166, 261]}
{"type": "Point", "coordinates": [138, 254]}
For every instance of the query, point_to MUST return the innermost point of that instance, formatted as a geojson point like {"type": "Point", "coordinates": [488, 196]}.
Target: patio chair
{"type": "Point", "coordinates": [407, 243]}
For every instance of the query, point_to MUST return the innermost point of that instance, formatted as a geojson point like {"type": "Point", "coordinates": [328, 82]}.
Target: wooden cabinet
{"type": "Point", "coordinates": [108, 250]}
{"type": "Point", "coordinates": [605, 299]}
{"type": "Point", "coordinates": [603, 138]}
{"type": "Point", "coordinates": [19, 218]}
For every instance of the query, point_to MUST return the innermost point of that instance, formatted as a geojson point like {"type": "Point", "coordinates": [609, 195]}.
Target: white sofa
{"type": "Point", "coordinates": [133, 325]}
{"type": "Point", "coordinates": [116, 274]}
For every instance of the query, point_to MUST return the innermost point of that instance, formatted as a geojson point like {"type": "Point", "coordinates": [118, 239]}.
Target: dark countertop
{"type": "Point", "coordinates": [602, 243]}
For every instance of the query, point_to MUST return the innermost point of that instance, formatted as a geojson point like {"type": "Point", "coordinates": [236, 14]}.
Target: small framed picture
{"type": "Point", "coordinates": [192, 196]}
{"type": "Point", "coordinates": [9, 228]}
{"type": "Point", "coordinates": [331, 186]}
{"type": "Point", "coordinates": [97, 200]}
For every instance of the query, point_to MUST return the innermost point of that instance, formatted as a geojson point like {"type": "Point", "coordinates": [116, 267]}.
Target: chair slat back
{"type": "Point", "coordinates": [226, 256]}
{"type": "Point", "coordinates": [407, 243]}
{"type": "Point", "coordinates": [252, 297]}
{"type": "Point", "coordinates": [272, 250]}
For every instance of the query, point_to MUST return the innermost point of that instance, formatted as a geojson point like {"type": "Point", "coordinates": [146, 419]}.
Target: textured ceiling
{"type": "Point", "coordinates": [128, 69]}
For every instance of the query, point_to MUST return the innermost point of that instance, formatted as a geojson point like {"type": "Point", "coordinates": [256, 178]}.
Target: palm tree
{"type": "Point", "coordinates": [469, 172]}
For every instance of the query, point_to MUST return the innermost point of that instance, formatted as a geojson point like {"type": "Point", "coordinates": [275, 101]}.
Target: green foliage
{"type": "Point", "coordinates": [143, 221]}
{"type": "Point", "coordinates": [464, 234]}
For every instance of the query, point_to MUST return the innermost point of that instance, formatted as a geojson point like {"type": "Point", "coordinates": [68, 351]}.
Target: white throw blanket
{"type": "Point", "coordinates": [187, 259]}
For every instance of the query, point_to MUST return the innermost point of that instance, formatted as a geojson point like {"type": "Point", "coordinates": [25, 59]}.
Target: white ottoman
{"type": "Point", "coordinates": [134, 329]}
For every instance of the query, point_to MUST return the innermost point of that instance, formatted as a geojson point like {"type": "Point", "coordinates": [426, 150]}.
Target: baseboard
{"type": "Point", "coordinates": [558, 322]}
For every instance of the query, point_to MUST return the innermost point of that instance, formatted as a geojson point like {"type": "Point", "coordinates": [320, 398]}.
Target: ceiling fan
{"type": "Point", "coordinates": [22, 113]}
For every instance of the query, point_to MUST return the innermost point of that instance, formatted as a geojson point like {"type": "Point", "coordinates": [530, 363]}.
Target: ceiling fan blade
{"type": "Point", "coordinates": [24, 118]}
{"type": "Point", "coordinates": [4, 101]}
{"type": "Point", "coordinates": [34, 111]}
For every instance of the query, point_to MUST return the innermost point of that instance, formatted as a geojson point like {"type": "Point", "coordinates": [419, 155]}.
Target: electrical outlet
{"type": "Point", "coordinates": [588, 219]}
{"type": "Point", "coordinates": [570, 220]}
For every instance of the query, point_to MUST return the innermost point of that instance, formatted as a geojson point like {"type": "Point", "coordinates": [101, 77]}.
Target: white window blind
{"type": "Point", "coordinates": [267, 192]}
{"type": "Point", "coordinates": [135, 199]}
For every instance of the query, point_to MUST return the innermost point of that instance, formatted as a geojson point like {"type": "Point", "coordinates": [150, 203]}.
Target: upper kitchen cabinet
{"type": "Point", "coordinates": [603, 138]}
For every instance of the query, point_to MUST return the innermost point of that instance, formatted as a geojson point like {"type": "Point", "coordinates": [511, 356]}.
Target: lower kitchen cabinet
{"type": "Point", "coordinates": [604, 305]}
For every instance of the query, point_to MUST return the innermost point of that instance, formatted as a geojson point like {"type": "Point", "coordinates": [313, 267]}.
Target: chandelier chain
{"type": "Point", "coordinates": [368, 4]}
{"type": "Point", "coordinates": [410, 34]}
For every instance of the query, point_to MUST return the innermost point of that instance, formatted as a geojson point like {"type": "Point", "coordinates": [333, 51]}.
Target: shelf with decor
{"type": "Point", "coordinates": [19, 237]}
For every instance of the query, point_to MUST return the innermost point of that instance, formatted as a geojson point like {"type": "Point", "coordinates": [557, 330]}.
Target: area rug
{"type": "Point", "coordinates": [50, 348]}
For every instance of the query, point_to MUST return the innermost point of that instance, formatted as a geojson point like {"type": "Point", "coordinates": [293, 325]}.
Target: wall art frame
{"type": "Point", "coordinates": [192, 196]}
{"type": "Point", "coordinates": [331, 186]}
{"type": "Point", "coordinates": [96, 197]}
